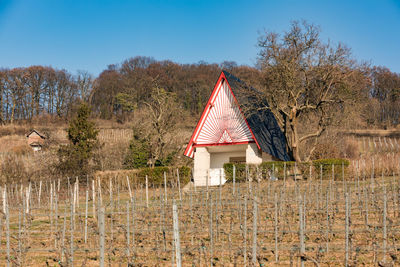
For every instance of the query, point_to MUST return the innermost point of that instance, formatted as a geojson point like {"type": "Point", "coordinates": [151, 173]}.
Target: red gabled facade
{"type": "Point", "coordinates": [222, 121]}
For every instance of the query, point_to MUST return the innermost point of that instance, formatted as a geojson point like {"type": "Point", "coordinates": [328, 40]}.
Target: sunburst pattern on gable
{"type": "Point", "coordinates": [222, 121]}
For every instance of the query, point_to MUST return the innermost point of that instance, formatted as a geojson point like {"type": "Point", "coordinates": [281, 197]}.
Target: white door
{"type": "Point", "coordinates": [217, 175]}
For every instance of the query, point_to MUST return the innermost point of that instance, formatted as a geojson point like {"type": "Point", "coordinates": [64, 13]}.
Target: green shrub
{"type": "Point", "coordinates": [263, 169]}
{"type": "Point", "coordinates": [138, 153]}
{"type": "Point", "coordinates": [326, 166]}
{"type": "Point", "coordinates": [240, 172]}
{"type": "Point", "coordinates": [278, 167]}
{"type": "Point", "coordinates": [277, 164]}
{"type": "Point", "coordinates": [78, 157]}
{"type": "Point", "coordinates": [156, 175]}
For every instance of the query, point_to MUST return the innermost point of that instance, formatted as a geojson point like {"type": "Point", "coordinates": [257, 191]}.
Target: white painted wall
{"type": "Point", "coordinates": [201, 166]}
{"type": "Point", "coordinates": [219, 159]}
{"type": "Point", "coordinates": [253, 155]}
{"type": "Point", "coordinates": [215, 157]}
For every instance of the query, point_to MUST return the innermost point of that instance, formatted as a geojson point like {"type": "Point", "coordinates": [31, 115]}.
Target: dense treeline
{"type": "Point", "coordinates": [385, 97]}
{"type": "Point", "coordinates": [121, 89]}
{"type": "Point", "coordinates": [37, 90]}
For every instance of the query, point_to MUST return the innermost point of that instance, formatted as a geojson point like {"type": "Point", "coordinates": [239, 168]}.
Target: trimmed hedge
{"type": "Point", "coordinates": [278, 167]}
{"type": "Point", "coordinates": [156, 175]}
{"type": "Point", "coordinates": [326, 166]}
{"type": "Point", "coordinates": [240, 172]}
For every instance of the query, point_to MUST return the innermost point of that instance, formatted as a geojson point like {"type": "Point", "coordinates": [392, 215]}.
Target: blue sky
{"type": "Point", "coordinates": [89, 35]}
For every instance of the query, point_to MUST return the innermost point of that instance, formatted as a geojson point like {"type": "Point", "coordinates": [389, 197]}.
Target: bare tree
{"type": "Point", "coordinates": [162, 115]}
{"type": "Point", "coordinates": [305, 78]}
{"type": "Point", "coordinates": [386, 89]}
{"type": "Point", "coordinates": [84, 83]}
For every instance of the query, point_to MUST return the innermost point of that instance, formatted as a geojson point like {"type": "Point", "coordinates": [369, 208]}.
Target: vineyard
{"type": "Point", "coordinates": [325, 219]}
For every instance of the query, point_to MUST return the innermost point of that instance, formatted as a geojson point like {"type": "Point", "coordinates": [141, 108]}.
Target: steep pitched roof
{"type": "Point", "coordinates": [34, 131]}
{"type": "Point", "coordinates": [261, 120]}
{"type": "Point", "coordinates": [236, 107]}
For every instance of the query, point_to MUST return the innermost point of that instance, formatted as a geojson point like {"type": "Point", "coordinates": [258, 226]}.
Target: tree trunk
{"type": "Point", "coordinates": [294, 137]}
{"type": "Point", "coordinates": [1, 109]}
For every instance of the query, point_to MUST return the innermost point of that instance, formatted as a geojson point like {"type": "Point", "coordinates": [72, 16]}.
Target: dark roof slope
{"type": "Point", "coordinates": [260, 119]}
{"type": "Point", "coordinates": [34, 131]}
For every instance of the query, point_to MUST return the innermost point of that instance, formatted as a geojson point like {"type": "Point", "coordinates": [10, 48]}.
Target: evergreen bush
{"type": "Point", "coordinates": [156, 175]}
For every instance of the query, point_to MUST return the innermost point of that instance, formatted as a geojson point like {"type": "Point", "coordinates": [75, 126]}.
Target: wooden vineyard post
{"type": "Point", "coordinates": [220, 188]}
{"type": "Point", "coordinates": [344, 184]}
{"type": "Point", "coordinates": [21, 210]}
{"type": "Point", "coordinates": [234, 179]}
{"type": "Point", "coordinates": [1, 226]}
{"type": "Point", "coordinates": [77, 193]}
{"type": "Point", "coordinates": [127, 231]}
{"type": "Point", "coordinates": [51, 209]}
{"type": "Point", "coordinates": [211, 233]}
{"type": "Point", "coordinates": [162, 219]}
{"type": "Point", "coordinates": [129, 186]}
{"type": "Point", "coordinates": [28, 197]}
{"type": "Point", "coordinates": [94, 199]}
{"type": "Point", "coordinates": [347, 230]}
{"type": "Point", "coordinates": [5, 199]}
{"type": "Point", "coordinates": [245, 233]}
{"type": "Point", "coordinates": [147, 192]}
{"type": "Point", "coordinates": [384, 224]}
{"type": "Point", "coordinates": [63, 234]}
{"type": "Point", "coordinates": [304, 211]}
{"type": "Point", "coordinates": [74, 205]}
{"type": "Point", "coordinates": [284, 176]}
{"type": "Point", "coordinates": [40, 192]}
{"type": "Point", "coordinates": [111, 194]}
{"type": "Point", "coordinates": [56, 215]}
{"type": "Point", "coordinates": [191, 216]}
{"type": "Point", "coordinates": [133, 227]}
{"type": "Point", "coordinates": [118, 197]}
{"type": "Point", "coordinates": [86, 214]}
{"type": "Point", "coordinates": [249, 180]}
{"type": "Point", "coordinates": [327, 221]}
{"type": "Point", "coordinates": [176, 236]}
{"type": "Point", "coordinates": [366, 196]}
{"type": "Point", "coordinates": [276, 228]}
{"type": "Point", "coordinates": [101, 236]}
{"type": "Point", "coordinates": [301, 219]}
{"type": "Point", "coordinates": [217, 205]}
{"type": "Point", "coordinates": [179, 184]}
{"type": "Point", "coordinates": [165, 187]}
{"type": "Point", "coordinates": [207, 181]}
{"type": "Point", "coordinates": [7, 226]}
{"type": "Point", "coordinates": [393, 184]}
{"type": "Point", "coordinates": [111, 208]}
{"type": "Point", "coordinates": [254, 252]}
{"type": "Point", "coordinates": [71, 258]}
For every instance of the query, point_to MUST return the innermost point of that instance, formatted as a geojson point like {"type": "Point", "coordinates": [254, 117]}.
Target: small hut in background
{"type": "Point", "coordinates": [35, 140]}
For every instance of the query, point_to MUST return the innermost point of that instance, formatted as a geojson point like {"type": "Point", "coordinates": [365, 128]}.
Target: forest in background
{"type": "Point", "coordinates": [120, 91]}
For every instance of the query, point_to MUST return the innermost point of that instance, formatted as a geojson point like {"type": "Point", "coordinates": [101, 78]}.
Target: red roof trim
{"type": "Point", "coordinates": [189, 148]}
{"type": "Point", "coordinates": [224, 144]}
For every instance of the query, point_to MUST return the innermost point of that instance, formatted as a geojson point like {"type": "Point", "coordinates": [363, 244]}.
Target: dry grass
{"type": "Point", "coordinates": [15, 144]}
